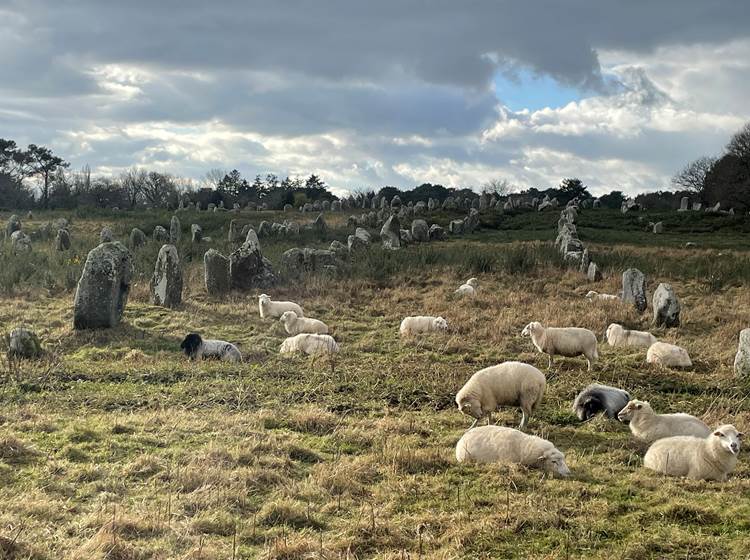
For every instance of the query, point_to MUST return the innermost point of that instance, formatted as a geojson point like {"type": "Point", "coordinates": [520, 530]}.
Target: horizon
{"type": "Point", "coordinates": [530, 94]}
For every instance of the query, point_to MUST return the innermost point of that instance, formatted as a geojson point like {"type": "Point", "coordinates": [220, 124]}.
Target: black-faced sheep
{"type": "Point", "coordinates": [600, 398]}
{"type": "Point", "coordinates": [196, 348]}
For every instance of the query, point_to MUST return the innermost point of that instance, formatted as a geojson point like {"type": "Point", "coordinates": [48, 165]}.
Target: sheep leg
{"type": "Point", "coordinates": [549, 364]}
{"type": "Point", "coordinates": [588, 361]}
{"type": "Point", "coordinates": [474, 423]}
{"type": "Point", "coordinates": [489, 419]}
{"type": "Point", "coordinates": [524, 419]}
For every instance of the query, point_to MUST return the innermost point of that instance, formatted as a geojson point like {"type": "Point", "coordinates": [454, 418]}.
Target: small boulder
{"type": "Point", "coordinates": [137, 238]}
{"type": "Point", "coordinates": [62, 240]}
{"type": "Point", "coordinates": [420, 231]}
{"type": "Point", "coordinates": [215, 273]}
{"type": "Point", "coordinates": [23, 343]}
{"type": "Point", "coordinates": [106, 235]}
{"type": "Point", "coordinates": [666, 307]}
{"type": "Point", "coordinates": [634, 289]}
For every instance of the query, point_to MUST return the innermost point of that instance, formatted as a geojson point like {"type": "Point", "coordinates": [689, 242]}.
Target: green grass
{"type": "Point", "coordinates": [116, 447]}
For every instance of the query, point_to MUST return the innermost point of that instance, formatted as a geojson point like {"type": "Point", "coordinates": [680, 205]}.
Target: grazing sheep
{"type": "Point", "coordinates": [268, 308]}
{"type": "Point", "coordinates": [568, 341]}
{"type": "Point", "coordinates": [600, 398]}
{"type": "Point", "coordinates": [296, 325]}
{"type": "Point", "coordinates": [617, 335]}
{"type": "Point", "coordinates": [196, 348]}
{"type": "Point", "coordinates": [506, 384]}
{"type": "Point", "coordinates": [592, 295]}
{"type": "Point", "coordinates": [648, 426]}
{"type": "Point", "coordinates": [668, 355]}
{"type": "Point", "coordinates": [709, 458]}
{"type": "Point", "coordinates": [311, 344]}
{"type": "Point", "coordinates": [496, 444]}
{"type": "Point", "coordinates": [468, 288]}
{"type": "Point", "coordinates": [422, 324]}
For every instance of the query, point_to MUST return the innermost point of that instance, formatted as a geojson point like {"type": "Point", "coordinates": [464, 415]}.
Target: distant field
{"type": "Point", "coordinates": [118, 448]}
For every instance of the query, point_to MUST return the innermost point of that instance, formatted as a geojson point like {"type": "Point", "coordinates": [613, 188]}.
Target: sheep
{"type": "Point", "coordinates": [468, 288]}
{"type": "Point", "coordinates": [311, 344]}
{"type": "Point", "coordinates": [296, 325]}
{"type": "Point", "coordinates": [600, 398]}
{"type": "Point", "coordinates": [648, 426]}
{"type": "Point", "coordinates": [709, 458]}
{"type": "Point", "coordinates": [617, 335]}
{"type": "Point", "coordinates": [506, 384]}
{"type": "Point", "coordinates": [568, 341]}
{"type": "Point", "coordinates": [196, 348]}
{"type": "Point", "coordinates": [268, 308]}
{"type": "Point", "coordinates": [668, 355]}
{"type": "Point", "coordinates": [422, 324]}
{"type": "Point", "coordinates": [592, 295]}
{"type": "Point", "coordinates": [496, 444]}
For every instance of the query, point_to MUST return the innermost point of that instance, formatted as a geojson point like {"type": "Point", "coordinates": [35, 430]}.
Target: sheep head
{"type": "Point", "coordinates": [553, 461]}
{"type": "Point", "coordinates": [532, 328]}
{"type": "Point", "coordinates": [288, 317]}
{"type": "Point", "coordinates": [440, 324]}
{"type": "Point", "coordinates": [632, 409]}
{"type": "Point", "coordinates": [470, 407]}
{"type": "Point", "coordinates": [729, 438]}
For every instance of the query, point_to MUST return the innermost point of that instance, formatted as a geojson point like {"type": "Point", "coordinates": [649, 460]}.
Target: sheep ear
{"type": "Point", "coordinates": [740, 435]}
{"type": "Point", "coordinates": [638, 406]}
{"type": "Point", "coordinates": [718, 433]}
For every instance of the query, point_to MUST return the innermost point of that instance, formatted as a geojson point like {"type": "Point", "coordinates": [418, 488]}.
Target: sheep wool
{"type": "Point", "coordinates": [600, 398]}
{"type": "Point", "coordinates": [468, 288]}
{"type": "Point", "coordinates": [617, 335]}
{"type": "Point", "coordinates": [496, 444]}
{"type": "Point", "coordinates": [567, 341]}
{"type": "Point", "coordinates": [268, 308]}
{"type": "Point", "coordinates": [506, 384]}
{"type": "Point", "coordinates": [198, 349]}
{"type": "Point", "coordinates": [296, 325]}
{"type": "Point", "coordinates": [648, 426]}
{"type": "Point", "coordinates": [311, 344]}
{"type": "Point", "coordinates": [668, 355]}
{"type": "Point", "coordinates": [709, 458]}
{"type": "Point", "coordinates": [592, 295]}
{"type": "Point", "coordinates": [421, 324]}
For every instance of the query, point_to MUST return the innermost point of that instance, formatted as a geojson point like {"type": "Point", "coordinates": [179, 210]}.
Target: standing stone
{"type": "Point", "coordinates": [456, 227]}
{"type": "Point", "coordinates": [658, 227]}
{"type": "Point", "coordinates": [137, 238]}
{"type": "Point", "coordinates": [431, 204]}
{"type": "Point", "coordinates": [684, 204]}
{"type": "Point", "coordinates": [20, 242]}
{"type": "Point", "coordinates": [264, 229]}
{"type": "Point", "coordinates": [390, 233]}
{"type": "Point", "coordinates": [319, 224]}
{"type": "Point", "coordinates": [216, 273]}
{"type": "Point", "coordinates": [106, 235]}
{"type": "Point", "coordinates": [166, 283]}
{"type": "Point", "coordinates": [23, 343]}
{"type": "Point", "coordinates": [420, 231]}
{"type": "Point", "coordinates": [436, 233]}
{"type": "Point", "coordinates": [62, 240]}
{"type": "Point", "coordinates": [288, 207]}
{"type": "Point", "coordinates": [103, 289]}
{"type": "Point", "coordinates": [666, 307]}
{"type": "Point", "coordinates": [742, 359]}
{"type": "Point", "coordinates": [471, 222]}
{"type": "Point", "coordinates": [634, 289]}
{"type": "Point", "coordinates": [336, 206]}
{"type": "Point", "coordinates": [247, 267]}
{"type": "Point", "coordinates": [235, 231]}
{"type": "Point", "coordinates": [14, 224]}
{"type": "Point", "coordinates": [175, 230]}
{"type": "Point", "coordinates": [594, 274]}
{"type": "Point", "coordinates": [356, 244]}
{"type": "Point", "coordinates": [160, 234]}
{"type": "Point", "coordinates": [339, 249]}
{"type": "Point", "coordinates": [597, 203]}
{"type": "Point", "coordinates": [396, 202]}
{"type": "Point", "coordinates": [196, 233]}
{"type": "Point", "coordinates": [484, 201]}
{"type": "Point", "coordinates": [585, 261]}
{"type": "Point", "coordinates": [326, 205]}
{"type": "Point", "coordinates": [697, 206]}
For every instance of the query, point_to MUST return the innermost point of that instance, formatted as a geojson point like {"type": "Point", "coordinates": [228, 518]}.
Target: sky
{"type": "Point", "coordinates": [620, 94]}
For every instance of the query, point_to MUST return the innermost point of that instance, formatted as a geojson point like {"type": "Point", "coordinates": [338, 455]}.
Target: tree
{"type": "Point", "coordinates": [693, 176]}
{"type": "Point", "coordinates": [739, 145]}
{"type": "Point", "coordinates": [613, 199]}
{"type": "Point", "coordinates": [42, 162]}
{"type": "Point", "coordinates": [500, 187]}
{"type": "Point", "coordinates": [231, 186]}
{"type": "Point", "coordinates": [132, 182]}
{"type": "Point", "coordinates": [158, 189]}
{"type": "Point", "coordinates": [314, 182]}
{"type": "Point", "coordinates": [571, 188]}
{"type": "Point", "coordinates": [214, 176]}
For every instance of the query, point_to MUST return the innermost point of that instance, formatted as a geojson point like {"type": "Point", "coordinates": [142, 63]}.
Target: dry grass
{"type": "Point", "coordinates": [124, 450]}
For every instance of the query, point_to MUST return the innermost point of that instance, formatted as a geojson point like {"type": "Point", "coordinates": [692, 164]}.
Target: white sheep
{"type": "Point", "coordinates": [506, 384]}
{"type": "Point", "coordinates": [268, 308]}
{"type": "Point", "coordinates": [648, 426]}
{"type": "Point", "coordinates": [709, 458]}
{"type": "Point", "coordinates": [592, 295]}
{"type": "Point", "coordinates": [567, 341]}
{"type": "Point", "coordinates": [496, 444]}
{"type": "Point", "coordinates": [668, 355]}
{"type": "Point", "coordinates": [311, 344]}
{"type": "Point", "coordinates": [296, 325]}
{"type": "Point", "coordinates": [468, 288]}
{"type": "Point", "coordinates": [422, 324]}
{"type": "Point", "coordinates": [617, 335]}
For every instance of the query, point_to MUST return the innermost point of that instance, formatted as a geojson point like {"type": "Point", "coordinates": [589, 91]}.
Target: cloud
{"type": "Point", "coordinates": [393, 92]}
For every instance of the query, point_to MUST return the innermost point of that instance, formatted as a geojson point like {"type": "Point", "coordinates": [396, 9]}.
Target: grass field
{"type": "Point", "coordinates": [116, 447]}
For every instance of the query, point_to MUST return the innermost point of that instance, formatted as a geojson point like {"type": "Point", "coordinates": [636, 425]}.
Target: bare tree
{"type": "Point", "coordinates": [133, 181]}
{"type": "Point", "coordinates": [213, 177]}
{"type": "Point", "coordinates": [739, 145]}
{"type": "Point", "coordinates": [500, 187]}
{"type": "Point", "coordinates": [693, 176]}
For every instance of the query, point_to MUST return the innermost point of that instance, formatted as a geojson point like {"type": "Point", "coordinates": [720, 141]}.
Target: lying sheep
{"type": "Point", "coordinates": [648, 426]}
{"type": "Point", "coordinates": [617, 335]}
{"type": "Point", "coordinates": [709, 458]}
{"type": "Point", "coordinates": [422, 324]}
{"type": "Point", "coordinates": [311, 344]}
{"type": "Point", "coordinates": [268, 308]}
{"type": "Point", "coordinates": [506, 384]}
{"type": "Point", "coordinates": [668, 355]}
{"type": "Point", "coordinates": [468, 288]}
{"type": "Point", "coordinates": [196, 348]}
{"type": "Point", "coordinates": [496, 444]}
{"type": "Point", "coordinates": [592, 295]}
{"type": "Point", "coordinates": [568, 341]}
{"type": "Point", "coordinates": [296, 325]}
{"type": "Point", "coordinates": [600, 398]}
